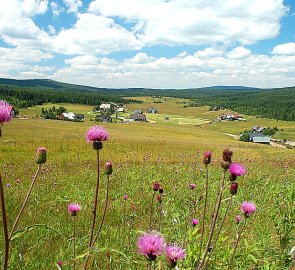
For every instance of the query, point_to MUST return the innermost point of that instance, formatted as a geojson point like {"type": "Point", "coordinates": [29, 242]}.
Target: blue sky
{"type": "Point", "coordinates": [149, 43]}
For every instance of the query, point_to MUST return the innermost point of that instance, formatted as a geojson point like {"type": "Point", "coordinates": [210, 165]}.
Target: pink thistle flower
{"type": "Point", "coordinates": [108, 168]}
{"type": "Point", "coordinates": [237, 169]}
{"type": "Point", "coordinates": [193, 186]}
{"type": "Point", "coordinates": [74, 209]}
{"type": "Point", "coordinates": [195, 222]}
{"type": "Point", "coordinates": [173, 254]}
{"type": "Point", "coordinates": [60, 263]}
{"type": "Point", "coordinates": [248, 208]}
{"type": "Point", "coordinates": [151, 245]}
{"type": "Point", "coordinates": [238, 219]}
{"type": "Point", "coordinates": [125, 197]}
{"type": "Point", "coordinates": [6, 112]}
{"type": "Point", "coordinates": [97, 134]}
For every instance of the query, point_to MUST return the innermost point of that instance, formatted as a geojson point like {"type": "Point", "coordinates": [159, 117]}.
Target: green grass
{"type": "Point", "coordinates": [142, 153]}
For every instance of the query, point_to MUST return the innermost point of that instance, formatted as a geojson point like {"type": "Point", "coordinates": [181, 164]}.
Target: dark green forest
{"type": "Point", "coordinates": [271, 103]}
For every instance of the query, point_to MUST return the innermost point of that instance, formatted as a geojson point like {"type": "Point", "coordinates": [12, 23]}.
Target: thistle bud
{"type": "Point", "coordinates": [41, 155]}
{"type": "Point", "coordinates": [227, 155]}
{"type": "Point", "coordinates": [108, 168]}
{"type": "Point", "coordinates": [207, 157]}
{"type": "Point", "coordinates": [161, 190]}
{"type": "Point", "coordinates": [159, 198]}
{"type": "Point", "coordinates": [238, 219]}
{"type": "Point", "coordinates": [156, 186]}
{"type": "Point", "coordinates": [233, 188]}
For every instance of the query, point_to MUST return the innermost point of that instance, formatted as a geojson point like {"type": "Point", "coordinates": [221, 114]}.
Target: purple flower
{"type": "Point", "coordinates": [151, 245]}
{"type": "Point", "coordinates": [193, 186]}
{"type": "Point", "coordinates": [8, 185]}
{"type": "Point", "coordinates": [207, 157]}
{"type": "Point", "coordinates": [237, 169]}
{"type": "Point", "coordinates": [195, 222]}
{"type": "Point", "coordinates": [238, 219]}
{"type": "Point", "coordinates": [248, 208]}
{"type": "Point", "coordinates": [97, 134]}
{"type": "Point", "coordinates": [156, 186]}
{"type": "Point", "coordinates": [5, 112]}
{"type": "Point", "coordinates": [125, 197]}
{"type": "Point", "coordinates": [74, 209]}
{"type": "Point", "coordinates": [173, 254]}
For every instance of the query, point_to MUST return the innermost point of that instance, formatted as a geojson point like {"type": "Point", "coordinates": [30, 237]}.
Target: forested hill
{"type": "Point", "coordinates": [272, 103]}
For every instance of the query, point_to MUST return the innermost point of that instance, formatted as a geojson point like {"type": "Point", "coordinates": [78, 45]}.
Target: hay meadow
{"type": "Point", "coordinates": [166, 151]}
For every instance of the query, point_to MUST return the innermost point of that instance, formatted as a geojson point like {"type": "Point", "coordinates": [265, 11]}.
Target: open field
{"type": "Point", "coordinates": [143, 153]}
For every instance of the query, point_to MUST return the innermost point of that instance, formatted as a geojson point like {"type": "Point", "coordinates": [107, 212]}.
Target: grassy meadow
{"type": "Point", "coordinates": [166, 151]}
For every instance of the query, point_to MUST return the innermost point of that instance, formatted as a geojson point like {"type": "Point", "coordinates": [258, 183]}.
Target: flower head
{"type": "Point", "coordinates": [238, 219]}
{"type": "Point", "coordinates": [237, 169]}
{"type": "Point", "coordinates": [207, 157]}
{"type": "Point", "coordinates": [97, 134]}
{"type": "Point", "coordinates": [195, 222]}
{"type": "Point", "coordinates": [193, 186]}
{"type": "Point", "coordinates": [6, 112]}
{"type": "Point", "coordinates": [41, 155]}
{"type": "Point", "coordinates": [125, 197]}
{"type": "Point", "coordinates": [173, 254]}
{"type": "Point", "coordinates": [74, 209]}
{"type": "Point", "coordinates": [233, 188]}
{"type": "Point", "coordinates": [226, 158]}
{"type": "Point", "coordinates": [156, 186]}
{"type": "Point", "coordinates": [248, 208]}
{"type": "Point", "coordinates": [108, 168]}
{"type": "Point", "coordinates": [151, 245]}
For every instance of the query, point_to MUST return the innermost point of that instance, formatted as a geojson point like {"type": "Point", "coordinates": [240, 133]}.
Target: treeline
{"type": "Point", "coordinates": [276, 104]}
{"type": "Point", "coordinates": [23, 98]}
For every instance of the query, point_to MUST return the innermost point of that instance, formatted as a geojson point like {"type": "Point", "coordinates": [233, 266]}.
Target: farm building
{"type": "Point", "coordinates": [103, 118]}
{"type": "Point", "coordinates": [137, 111]}
{"type": "Point", "coordinates": [259, 138]}
{"type": "Point", "coordinates": [67, 116]}
{"type": "Point", "coordinates": [121, 109]}
{"type": "Point", "coordinates": [230, 117]}
{"type": "Point", "coordinates": [152, 110]}
{"type": "Point", "coordinates": [257, 129]}
{"type": "Point", "coordinates": [138, 117]}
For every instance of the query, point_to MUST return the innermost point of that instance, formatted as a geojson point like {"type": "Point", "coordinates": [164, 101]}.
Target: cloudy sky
{"type": "Point", "coordinates": [149, 43]}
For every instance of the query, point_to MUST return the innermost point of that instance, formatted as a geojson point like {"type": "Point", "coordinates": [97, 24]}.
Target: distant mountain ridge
{"type": "Point", "coordinates": [51, 84]}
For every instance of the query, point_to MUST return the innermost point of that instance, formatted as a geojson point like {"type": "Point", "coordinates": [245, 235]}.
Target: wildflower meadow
{"type": "Point", "coordinates": [85, 196]}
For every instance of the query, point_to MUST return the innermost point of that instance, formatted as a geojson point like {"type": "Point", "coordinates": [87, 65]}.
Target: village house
{"type": "Point", "coordinates": [256, 135]}
{"type": "Point", "coordinates": [103, 118]}
{"type": "Point", "coordinates": [152, 110]}
{"type": "Point", "coordinates": [120, 109]}
{"type": "Point", "coordinates": [67, 116]}
{"type": "Point", "coordinates": [137, 111]}
{"type": "Point", "coordinates": [230, 117]}
{"type": "Point", "coordinates": [138, 117]}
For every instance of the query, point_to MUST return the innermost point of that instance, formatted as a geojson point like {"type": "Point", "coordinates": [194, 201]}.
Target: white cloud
{"type": "Point", "coordinates": [197, 22]}
{"type": "Point", "coordinates": [95, 34]}
{"type": "Point", "coordinates": [239, 53]}
{"type": "Point", "coordinates": [186, 71]}
{"type": "Point", "coordinates": [51, 29]}
{"type": "Point", "coordinates": [73, 5]}
{"type": "Point", "coordinates": [286, 48]}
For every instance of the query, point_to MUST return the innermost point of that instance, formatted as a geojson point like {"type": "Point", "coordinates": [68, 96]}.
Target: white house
{"type": "Point", "coordinates": [68, 116]}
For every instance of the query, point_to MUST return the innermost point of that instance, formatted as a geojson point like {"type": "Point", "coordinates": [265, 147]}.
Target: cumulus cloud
{"type": "Point", "coordinates": [186, 71]}
{"type": "Point", "coordinates": [197, 22]}
{"type": "Point", "coordinates": [286, 48]}
{"type": "Point", "coordinates": [239, 53]}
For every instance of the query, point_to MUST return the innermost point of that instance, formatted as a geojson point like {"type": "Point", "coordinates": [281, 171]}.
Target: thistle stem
{"type": "Point", "coordinates": [24, 203]}
{"type": "Point", "coordinates": [74, 243]}
{"type": "Point", "coordinates": [199, 267]}
{"type": "Point", "coordinates": [151, 210]}
{"type": "Point", "coordinates": [236, 245]}
{"type": "Point", "coordinates": [204, 214]}
{"type": "Point", "coordinates": [5, 228]}
{"type": "Point", "coordinates": [95, 201]}
{"type": "Point", "coordinates": [220, 227]}
{"type": "Point", "coordinates": [104, 210]}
